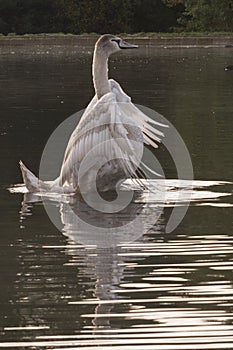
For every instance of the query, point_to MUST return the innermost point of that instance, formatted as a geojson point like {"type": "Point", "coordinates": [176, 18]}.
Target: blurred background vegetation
{"type": "Point", "coordinates": [115, 16]}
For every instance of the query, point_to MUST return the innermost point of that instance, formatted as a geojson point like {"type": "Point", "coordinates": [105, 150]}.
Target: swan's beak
{"type": "Point", "coordinates": [125, 45]}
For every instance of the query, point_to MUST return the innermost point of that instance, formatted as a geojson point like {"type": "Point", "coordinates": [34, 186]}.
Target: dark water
{"type": "Point", "coordinates": [147, 290]}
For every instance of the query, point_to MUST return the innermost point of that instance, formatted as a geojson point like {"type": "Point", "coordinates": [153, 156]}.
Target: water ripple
{"type": "Point", "coordinates": [158, 292]}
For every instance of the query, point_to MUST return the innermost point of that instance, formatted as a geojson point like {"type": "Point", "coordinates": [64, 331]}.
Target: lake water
{"type": "Point", "coordinates": [146, 288]}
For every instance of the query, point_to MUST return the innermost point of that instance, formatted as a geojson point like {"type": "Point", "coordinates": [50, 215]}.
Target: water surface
{"type": "Point", "coordinates": [148, 289]}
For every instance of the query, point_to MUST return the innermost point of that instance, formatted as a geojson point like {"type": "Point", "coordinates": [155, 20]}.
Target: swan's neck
{"type": "Point", "coordinates": [100, 73]}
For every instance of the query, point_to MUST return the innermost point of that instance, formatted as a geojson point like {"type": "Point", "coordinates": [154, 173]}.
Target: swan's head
{"type": "Point", "coordinates": [110, 44]}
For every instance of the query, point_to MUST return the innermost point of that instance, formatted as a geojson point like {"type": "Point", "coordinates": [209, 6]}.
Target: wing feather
{"type": "Point", "coordinates": [104, 121]}
{"type": "Point", "coordinates": [142, 120]}
{"type": "Point", "coordinates": [107, 119]}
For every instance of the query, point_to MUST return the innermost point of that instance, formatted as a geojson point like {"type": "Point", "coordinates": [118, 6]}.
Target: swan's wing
{"type": "Point", "coordinates": [102, 123]}
{"type": "Point", "coordinates": [82, 121]}
{"type": "Point", "coordinates": [151, 134]}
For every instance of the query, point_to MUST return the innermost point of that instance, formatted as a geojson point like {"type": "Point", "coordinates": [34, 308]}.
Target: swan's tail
{"type": "Point", "coordinates": [32, 183]}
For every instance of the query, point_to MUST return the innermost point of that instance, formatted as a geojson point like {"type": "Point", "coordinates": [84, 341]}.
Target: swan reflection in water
{"type": "Point", "coordinates": [97, 243]}
{"type": "Point", "coordinates": [101, 245]}
{"type": "Point", "coordinates": [83, 224]}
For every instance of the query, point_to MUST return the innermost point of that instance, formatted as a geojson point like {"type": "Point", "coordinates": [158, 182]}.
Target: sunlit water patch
{"type": "Point", "coordinates": [165, 192]}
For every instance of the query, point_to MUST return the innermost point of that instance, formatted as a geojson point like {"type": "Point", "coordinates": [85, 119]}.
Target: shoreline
{"type": "Point", "coordinates": [58, 42]}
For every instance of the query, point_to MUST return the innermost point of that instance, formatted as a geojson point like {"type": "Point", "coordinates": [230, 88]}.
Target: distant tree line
{"type": "Point", "coordinates": [116, 16]}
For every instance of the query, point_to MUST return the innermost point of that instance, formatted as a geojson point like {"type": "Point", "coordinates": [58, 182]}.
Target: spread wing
{"type": "Point", "coordinates": [101, 135]}
{"type": "Point", "coordinates": [151, 134]}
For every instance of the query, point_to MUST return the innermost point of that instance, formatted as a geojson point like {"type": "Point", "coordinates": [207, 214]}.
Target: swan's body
{"type": "Point", "coordinates": [107, 144]}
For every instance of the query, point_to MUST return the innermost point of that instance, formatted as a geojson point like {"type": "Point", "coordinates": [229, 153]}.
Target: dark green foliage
{"type": "Point", "coordinates": [103, 16]}
{"type": "Point", "coordinates": [205, 15]}
{"type": "Point", "coordinates": [115, 16]}
{"type": "Point", "coordinates": [153, 16]}
{"type": "Point", "coordinates": [27, 15]}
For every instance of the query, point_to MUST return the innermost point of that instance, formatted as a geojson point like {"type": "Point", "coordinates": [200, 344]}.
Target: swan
{"type": "Point", "coordinates": [107, 144]}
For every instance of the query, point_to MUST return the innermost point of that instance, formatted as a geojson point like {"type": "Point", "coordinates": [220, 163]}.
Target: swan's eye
{"type": "Point", "coordinates": [117, 41]}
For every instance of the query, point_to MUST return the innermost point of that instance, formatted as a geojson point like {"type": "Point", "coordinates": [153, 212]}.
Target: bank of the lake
{"type": "Point", "coordinates": [46, 43]}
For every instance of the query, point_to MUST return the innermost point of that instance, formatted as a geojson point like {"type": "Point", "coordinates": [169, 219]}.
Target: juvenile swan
{"type": "Point", "coordinates": [107, 144]}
